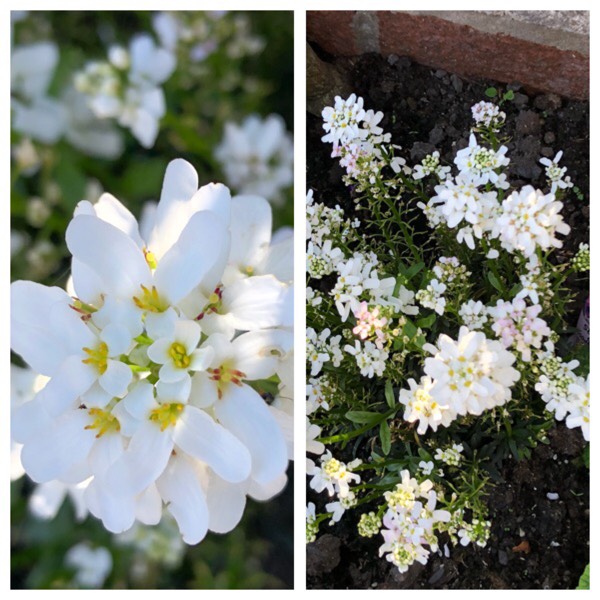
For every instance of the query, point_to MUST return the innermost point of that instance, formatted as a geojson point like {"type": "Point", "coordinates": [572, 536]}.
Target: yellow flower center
{"type": "Point", "coordinates": [150, 300]}
{"type": "Point", "coordinates": [103, 421]}
{"type": "Point", "coordinates": [166, 414]}
{"type": "Point", "coordinates": [97, 357]}
{"type": "Point", "coordinates": [178, 353]}
{"type": "Point", "coordinates": [150, 259]}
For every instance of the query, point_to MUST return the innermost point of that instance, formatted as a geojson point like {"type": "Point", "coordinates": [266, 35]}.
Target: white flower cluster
{"type": "Point", "coordinates": [526, 220]}
{"type": "Point", "coordinates": [488, 115]}
{"type": "Point", "coordinates": [370, 359]}
{"type": "Point", "coordinates": [474, 314]}
{"type": "Point", "coordinates": [126, 87]}
{"type": "Point", "coordinates": [319, 392]}
{"type": "Point", "coordinates": [257, 157]}
{"type": "Point", "coordinates": [452, 455]}
{"type": "Point", "coordinates": [581, 260]}
{"type": "Point", "coordinates": [477, 532]}
{"type": "Point", "coordinates": [555, 174]}
{"type": "Point", "coordinates": [530, 219]}
{"type": "Point", "coordinates": [469, 375]}
{"type": "Point", "coordinates": [565, 393]}
{"type": "Point", "coordinates": [369, 524]}
{"type": "Point", "coordinates": [518, 326]}
{"type": "Point", "coordinates": [46, 119]}
{"type": "Point", "coordinates": [152, 360]}
{"type": "Point", "coordinates": [450, 277]}
{"type": "Point", "coordinates": [312, 527]}
{"type": "Point", "coordinates": [430, 165]}
{"type": "Point", "coordinates": [480, 165]}
{"type": "Point", "coordinates": [320, 349]}
{"type": "Point", "coordinates": [334, 476]}
{"type": "Point", "coordinates": [356, 137]}
{"type": "Point", "coordinates": [410, 522]}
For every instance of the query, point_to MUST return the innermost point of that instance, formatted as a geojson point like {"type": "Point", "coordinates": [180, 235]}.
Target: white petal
{"type": "Point", "coordinates": [203, 243]}
{"type": "Point", "coordinates": [140, 400]}
{"type": "Point", "coordinates": [30, 419]}
{"type": "Point", "coordinates": [148, 506]}
{"type": "Point", "coordinates": [116, 379]}
{"type": "Point", "coordinates": [243, 412]}
{"type": "Point", "coordinates": [226, 503]}
{"type": "Point", "coordinates": [158, 352]}
{"type": "Point", "coordinates": [49, 455]}
{"type": "Point", "coordinates": [250, 229]}
{"type": "Point", "coordinates": [106, 451]}
{"type": "Point", "coordinates": [160, 325]}
{"type": "Point", "coordinates": [180, 488]}
{"type": "Point", "coordinates": [279, 260]}
{"type": "Point", "coordinates": [201, 359]}
{"type": "Point", "coordinates": [87, 285]}
{"type": "Point", "coordinates": [144, 460]}
{"type": "Point", "coordinates": [187, 333]}
{"type": "Point", "coordinates": [109, 209]}
{"type": "Point", "coordinates": [200, 436]}
{"type": "Point", "coordinates": [169, 373]}
{"type": "Point", "coordinates": [112, 255]}
{"type": "Point", "coordinates": [179, 391]}
{"type": "Point", "coordinates": [267, 491]}
{"type": "Point", "coordinates": [96, 397]}
{"type": "Point", "coordinates": [179, 185]}
{"type": "Point", "coordinates": [117, 338]}
{"type": "Point", "coordinates": [117, 512]}
{"type": "Point", "coordinates": [257, 353]}
{"type": "Point", "coordinates": [62, 392]}
{"type": "Point", "coordinates": [204, 392]}
{"type": "Point", "coordinates": [255, 303]}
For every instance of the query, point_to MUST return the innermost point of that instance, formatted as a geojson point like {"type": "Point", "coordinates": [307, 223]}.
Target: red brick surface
{"type": "Point", "coordinates": [468, 52]}
{"type": "Point", "coordinates": [332, 31]}
{"type": "Point", "coordinates": [459, 49]}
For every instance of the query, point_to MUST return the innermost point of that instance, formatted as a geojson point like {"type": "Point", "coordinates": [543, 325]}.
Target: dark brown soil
{"type": "Point", "coordinates": [427, 110]}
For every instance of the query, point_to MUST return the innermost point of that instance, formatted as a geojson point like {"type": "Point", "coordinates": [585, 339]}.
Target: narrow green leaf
{"type": "Point", "coordinates": [386, 437]}
{"type": "Point", "coordinates": [389, 394]}
{"type": "Point", "coordinates": [362, 417]}
{"type": "Point", "coordinates": [413, 270]}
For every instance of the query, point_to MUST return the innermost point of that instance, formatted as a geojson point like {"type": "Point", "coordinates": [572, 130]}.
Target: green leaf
{"type": "Point", "coordinates": [71, 181]}
{"type": "Point", "coordinates": [509, 95]}
{"type": "Point", "coordinates": [491, 92]}
{"type": "Point", "coordinates": [584, 580]}
{"type": "Point", "coordinates": [362, 417]}
{"type": "Point", "coordinates": [413, 270]}
{"type": "Point", "coordinates": [426, 322]}
{"type": "Point", "coordinates": [386, 437]}
{"type": "Point", "coordinates": [389, 394]}
{"type": "Point", "coordinates": [494, 281]}
{"type": "Point", "coordinates": [586, 456]}
{"type": "Point", "coordinates": [410, 329]}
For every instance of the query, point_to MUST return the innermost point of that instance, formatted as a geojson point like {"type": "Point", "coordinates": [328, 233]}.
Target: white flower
{"type": "Point", "coordinates": [149, 362]}
{"type": "Point", "coordinates": [519, 326]}
{"type": "Point", "coordinates": [92, 566]}
{"type": "Point", "coordinates": [479, 164]}
{"type": "Point", "coordinates": [257, 156]}
{"type": "Point", "coordinates": [555, 174]}
{"type": "Point", "coordinates": [422, 407]}
{"type": "Point", "coordinates": [426, 467]}
{"type": "Point", "coordinates": [33, 112]}
{"type": "Point", "coordinates": [579, 400]}
{"type": "Point", "coordinates": [473, 314]}
{"type": "Point", "coordinates": [341, 122]}
{"type": "Point", "coordinates": [529, 220]}
{"type": "Point", "coordinates": [471, 374]}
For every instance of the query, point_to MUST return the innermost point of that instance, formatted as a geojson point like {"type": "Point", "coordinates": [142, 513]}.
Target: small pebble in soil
{"type": "Point", "coordinates": [552, 496]}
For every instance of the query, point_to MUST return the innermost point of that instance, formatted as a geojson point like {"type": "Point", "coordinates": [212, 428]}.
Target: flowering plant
{"type": "Point", "coordinates": [435, 308]}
